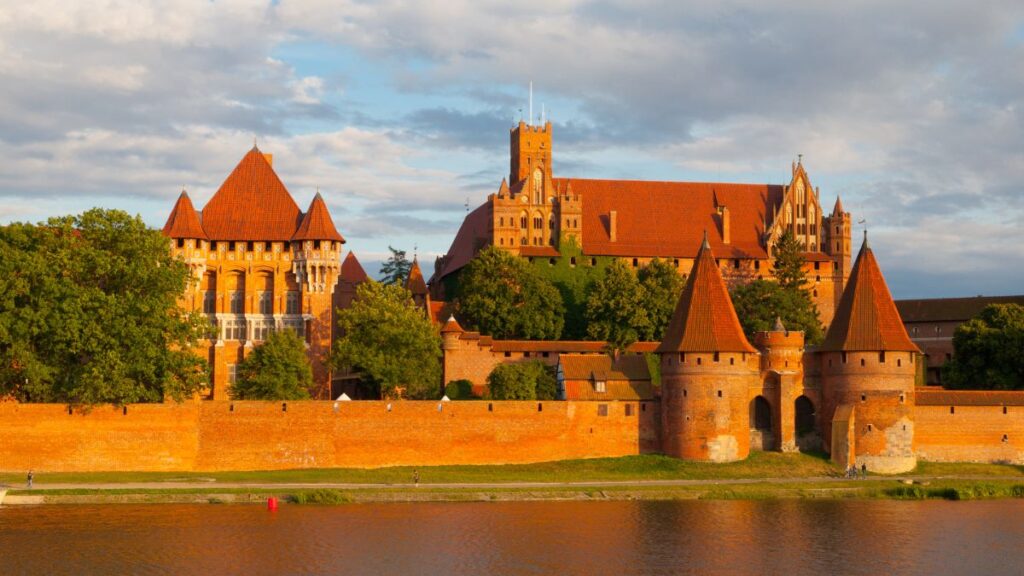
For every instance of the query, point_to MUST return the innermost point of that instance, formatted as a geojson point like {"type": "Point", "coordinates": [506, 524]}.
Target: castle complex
{"type": "Point", "coordinates": [536, 215]}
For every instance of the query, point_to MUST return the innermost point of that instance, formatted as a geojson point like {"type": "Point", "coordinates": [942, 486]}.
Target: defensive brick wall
{"type": "Point", "coordinates": [215, 435]}
{"type": "Point", "coordinates": [953, 433]}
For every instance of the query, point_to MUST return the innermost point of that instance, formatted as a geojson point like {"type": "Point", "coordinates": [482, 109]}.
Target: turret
{"type": "Point", "coordinates": [316, 249]}
{"type": "Point", "coordinates": [570, 209]}
{"type": "Point", "coordinates": [530, 148]}
{"type": "Point", "coordinates": [190, 243]}
{"type": "Point", "coordinates": [417, 287]}
{"type": "Point", "coordinates": [782, 376]}
{"type": "Point", "coordinates": [867, 366]}
{"type": "Point", "coordinates": [707, 368]}
{"type": "Point", "coordinates": [836, 241]}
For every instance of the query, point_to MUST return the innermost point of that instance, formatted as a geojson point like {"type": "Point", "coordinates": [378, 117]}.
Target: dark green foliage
{"type": "Point", "coordinates": [661, 285]}
{"type": "Point", "coordinates": [989, 351]}
{"type": "Point", "coordinates": [395, 270]}
{"type": "Point", "coordinates": [574, 275]}
{"type": "Point", "coordinates": [531, 380]}
{"type": "Point", "coordinates": [761, 301]}
{"type": "Point", "coordinates": [502, 296]}
{"type": "Point", "coordinates": [390, 341]}
{"type": "Point", "coordinates": [654, 367]}
{"type": "Point", "coordinates": [89, 315]}
{"type": "Point", "coordinates": [788, 262]}
{"type": "Point", "coordinates": [615, 308]}
{"type": "Point", "coordinates": [321, 497]}
{"type": "Point", "coordinates": [459, 390]}
{"type": "Point", "coordinates": [276, 370]}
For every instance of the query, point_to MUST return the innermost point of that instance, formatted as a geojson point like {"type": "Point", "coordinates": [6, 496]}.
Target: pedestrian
{"type": "Point", "coordinates": [864, 470]}
{"type": "Point", "coordinates": [30, 476]}
{"type": "Point", "coordinates": [416, 477]}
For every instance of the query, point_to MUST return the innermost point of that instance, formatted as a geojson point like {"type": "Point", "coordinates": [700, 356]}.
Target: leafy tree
{"type": "Point", "coordinates": [395, 270]}
{"type": "Point", "coordinates": [459, 390]}
{"type": "Point", "coordinates": [500, 295]}
{"type": "Point", "coordinates": [615, 308]}
{"type": "Point", "coordinates": [788, 265]}
{"type": "Point", "coordinates": [661, 285]}
{"type": "Point", "coordinates": [531, 380]}
{"type": "Point", "coordinates": [760, 302]}
{"type": "Point", "coordinates": [277, 370]}
{"type": "Point", "coordinates": [391, 341]}
{"type": "Point", "coordinates": [989, 351]}
{"type": "Point", "coordinates": [89, 314]}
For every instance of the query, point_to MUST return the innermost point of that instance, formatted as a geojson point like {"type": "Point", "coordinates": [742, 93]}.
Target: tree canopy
{"type": "Point", "coordinates": [390, 341]}
{"type": "Point", "coordinates": [988, 351]}
{"type": "Point", "coordinates": [661, 285]}
{"type": "Point", "coordinates": [788, 262]}
{"type": "Point", "coordinates": [760, 302]}
{"type": "Point", "coordinates": [395, 270]}
{"type": "Point", "coordinates": [616, 309]}
{"type": "Point", "coordinates": [276, 370]}
{"type": "Point", "coordinates": [532, 380]}
{"type": "Point", "coordinates": [502, 296]}
{"type": "Point", "coordinates": [89, 314]}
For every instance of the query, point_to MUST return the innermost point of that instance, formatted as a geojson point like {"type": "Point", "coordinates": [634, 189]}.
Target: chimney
{"type": "Point", "coordinates": [611, 225]}
{"type": "Point", "coordinates": [269, 158]}
{"type": "Point", "coordinates": [726, 236]}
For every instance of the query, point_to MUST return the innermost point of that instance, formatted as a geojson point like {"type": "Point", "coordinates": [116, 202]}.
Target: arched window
{"type": "Point", "coordinates": [209, 287]}
{"type": "Point", "coordinates": [538, 186]}
{"type": "Point", "coordinates": [522, 220]}
{"type": "Point", "coordinates": [762, 414]}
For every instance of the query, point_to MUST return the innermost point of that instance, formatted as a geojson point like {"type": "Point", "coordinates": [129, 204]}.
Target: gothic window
{"type": "Point", "coordinates": [551, 222]}
{"type": "Point", "coordinates": [261, 329]}
{"type": "Point", "coordinates": [522, 220]}
{"type": "Point", "coordinates": [292, 302]}
{"type": "Point", "coordinates": [538, 186]}
{"type": "Point", "coordinates": [210, 302]}
{"type": "Point", "coordinates": [232, 373]}
{"type": "Point", "coordinates": [266, 301]}
{"type": "Point", "coordinates": [234, 329]}
{"type": "Point", "coordinates": [238, 302]}
{"type": "Point", "coordinates": [789, 214]}
{"type": "Point", "coordinates": [523, 240]}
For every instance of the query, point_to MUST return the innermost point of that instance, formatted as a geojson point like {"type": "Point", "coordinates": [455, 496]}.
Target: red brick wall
{"type": "Point", "coordinates": [211, 436]}
{"type": "Point", "coordinates": [969, 434]}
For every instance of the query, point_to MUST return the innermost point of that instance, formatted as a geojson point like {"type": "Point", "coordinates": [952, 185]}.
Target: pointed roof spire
{"type": "Point", "coordinates": [251, 204]}
{"type": "Point", "coordinates": [866, 318]}
{"type": "Point", "coordinates": [352, 271]}
{"type": "Point", "coordinates": [184, 220]}
{"type": "Point", "coordinates": [704, 245]}
{"type": "Point", "coordinates": [503, 189]}
{"type": "Point", "coordinates": [838, 209]}
{"type": "Point", "coordinates": [779, 326]}
{"type": "Point", "coordinates": [415, 283]}
{"type": "Point", "coordinates": [452, 325]}
{"type": "Point", "coordinates": [704, 319]}
{"type": "Point", "coordinates": [317, 224]}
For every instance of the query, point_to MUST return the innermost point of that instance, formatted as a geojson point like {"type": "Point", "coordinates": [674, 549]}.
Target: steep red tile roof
{"type": "Point", "coordinates": [472, 236]}
{"type": "Point", "coordinates": [668, 219]}
{"type": "Point", "coordinates": [184, 220]}
{"type": "Point", "coordinates": [866, 318]}
{"type": "Point", "coordinates": [438, 310]}
{"type": "Point", "coordinates": [932, 396]}
{"type": "Point", "coordinates": [415, 283]}
{"type": "Point", "coordinates": [561, 346]}
{"type": "Point", "coordinates": [252, 204]}
{"type": "Point", "coordinates": [316, 224]}
{"type": "Point", "coordinates": [601, 366]}
{"type": "Point", "coordinates": [704, 319]}
{"type": "Point", "coordinates": [452, 325]}
{"type": "Point", "coordinates": [352, 271]}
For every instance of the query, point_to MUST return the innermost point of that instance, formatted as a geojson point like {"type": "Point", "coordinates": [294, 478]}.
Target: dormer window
{"type": "Point", "coordinates": [599, 386]}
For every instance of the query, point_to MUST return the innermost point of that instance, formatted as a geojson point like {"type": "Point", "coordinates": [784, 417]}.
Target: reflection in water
{"type": "Point", "coordinates": [698, 537]}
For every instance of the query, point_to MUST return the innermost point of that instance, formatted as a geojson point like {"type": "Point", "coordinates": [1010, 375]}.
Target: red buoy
{"type": "Point", "coordinates": [271, 503]}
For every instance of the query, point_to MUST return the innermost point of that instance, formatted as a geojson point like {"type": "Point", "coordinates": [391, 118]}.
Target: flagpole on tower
{"type": "Point", "coordinates": [531, 103]}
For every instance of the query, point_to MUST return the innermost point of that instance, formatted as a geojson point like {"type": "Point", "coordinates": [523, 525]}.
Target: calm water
{"type": "Point", "coordinates": [787, 537]}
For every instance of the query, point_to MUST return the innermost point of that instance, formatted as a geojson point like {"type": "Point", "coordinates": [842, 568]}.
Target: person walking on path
{"type": "Point", "coordinates": [30, 476]}
{"type": "Point", "coordinates": [864, 470]}
{"type": "Point", "coordinates": [416, 477]}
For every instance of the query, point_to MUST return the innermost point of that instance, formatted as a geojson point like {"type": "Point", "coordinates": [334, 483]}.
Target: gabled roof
{"type": "Point", "coordinates": [415, 283]}
{"type": "Point", "coordinates": [352, 271]}
{"type": "Point", "coordinates": [950, 309]}
{"type": "Point", "coordinates": [602, 367]}
{"type": "Point", "coordinates": [704, 319]}
{"type": "Point", "coordinates": [316, 224]}
{"type": "Point", "coordinates": [252, 204]}
{"type": "Point", "coordinates": [866, 318]}
{"type": "Point", "coordinates": [184, 220]}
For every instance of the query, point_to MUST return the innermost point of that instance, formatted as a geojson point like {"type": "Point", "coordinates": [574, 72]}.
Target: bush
{"type": "Point", "coordinates": [278, 369]}
{"type": "Point", "coordinates": [531, 380]}
{"type": "Point", "coordinates": [323, 496]}
{"type": "Point", "coordinates": [459, 390]}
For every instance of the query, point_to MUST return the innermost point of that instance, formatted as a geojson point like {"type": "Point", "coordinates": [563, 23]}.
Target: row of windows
{"type": "Point", "coordinates": [258, 246]}
{"type": "Point", "coordinates": [236, 328]}
{"type": "Point", "coordinates": [264, 302]}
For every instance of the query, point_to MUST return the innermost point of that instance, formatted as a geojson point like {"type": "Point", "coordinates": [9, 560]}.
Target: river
{"type": "Point", "coordinates": [686, 537]}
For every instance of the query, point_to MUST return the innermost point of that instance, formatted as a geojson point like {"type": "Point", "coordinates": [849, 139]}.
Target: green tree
{"type": "Point", "coordinates": [89, 314]}
{"type": "Point", "coordinates": [760, 302]}
{"type": "Point", "coordinates": [276, 370]}
{"type": "Point", "coordinates": [459, 390]}
{"type": "Point", "coordinates": [615, 308]}
{"type": "Point", "coordinates": [788, 262]}
{"type": "Point", "coordinates": [395, 270]}
{"type": "Point", "coordinates": [661, 285]}
{"type": "Point", "coordinates": [500, 295]}
{"type": "Point", "coordinates": [390, 340]}
{"type": "Point", "coordinates": [988, 351]}
{"type": "Point", "coordinates": [532, 380]}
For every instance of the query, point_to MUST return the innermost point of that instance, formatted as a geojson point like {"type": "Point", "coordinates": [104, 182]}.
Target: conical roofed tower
{"type": "Point", "coordinates": [184, 220]}
{"type": "Point", "coordinates": [317, 224]}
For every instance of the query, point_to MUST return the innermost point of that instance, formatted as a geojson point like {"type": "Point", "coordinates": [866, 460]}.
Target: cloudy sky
{"type": "Point", "coordinates": [399, 111]}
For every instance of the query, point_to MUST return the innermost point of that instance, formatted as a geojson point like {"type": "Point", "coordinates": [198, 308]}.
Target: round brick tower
{"type": "Point", "coordinates": [867, 367]}
{"type": "Point", "coordinates": [707, 367]}
{"type": "Point", "coordinates": [782, 376]}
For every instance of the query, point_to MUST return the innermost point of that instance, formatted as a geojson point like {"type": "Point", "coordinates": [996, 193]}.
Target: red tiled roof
{"type": "Point", "coordinates": [415, 283]}
{"type": "Point", "coordinates": [452, 325]}
{"type": "Point", "coordinates": [563, 346]}
{"type": "Point", "coordinates": [184, 221]}
{"type": "Point", "coordinates": [352, 271]}
{"type": "Point", "coordinates": [316, 224]}
{"type": "Point", "coordinates": [438, 310]}
{"type": "Point", "coordinates": [866, 318]}
{"type": "Point", "coordinates": [601, 366]}
{"type": "Point", "coordinates": [252, 204]}
{"type": "Point", "coordinates": [940, 397]}
{"type": "Point", "coordinates": [668, 219]}
{"type": "Point", "coordinates": [472, 235]}
{"type": "Point", "coordinates": [704, 319]}
{"type": "Point", "coordinates": [950, 309]}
